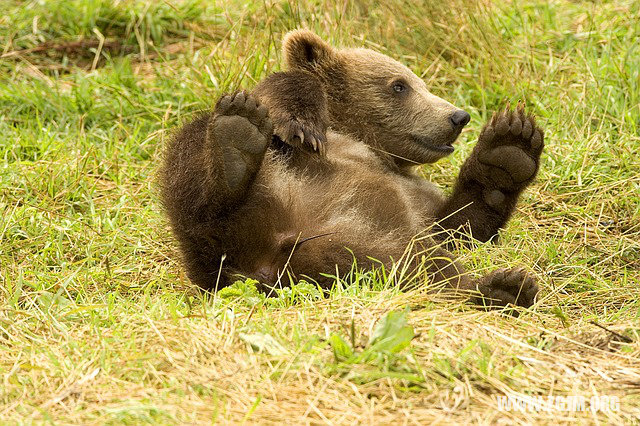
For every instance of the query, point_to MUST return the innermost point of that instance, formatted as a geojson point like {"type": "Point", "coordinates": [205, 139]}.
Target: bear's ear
{"type": "Point", "coordinates": [302, 49]}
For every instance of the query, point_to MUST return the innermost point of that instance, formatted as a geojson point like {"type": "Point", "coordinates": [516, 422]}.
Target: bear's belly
{"type": "Point", "coordinates": [354, 212]}
{"type": "Point", "coordinates": [312, 224]}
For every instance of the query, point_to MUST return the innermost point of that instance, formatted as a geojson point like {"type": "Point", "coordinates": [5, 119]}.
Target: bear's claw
{"type": "Point", "coordinates": [242, 129]}
{"type": "Point", "coordinates": [302, 135]}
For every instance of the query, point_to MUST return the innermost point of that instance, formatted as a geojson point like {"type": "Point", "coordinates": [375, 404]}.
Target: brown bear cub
{"type": "Point", "coordinates": [315, 170]}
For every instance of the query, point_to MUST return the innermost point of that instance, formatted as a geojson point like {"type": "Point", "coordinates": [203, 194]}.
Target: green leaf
{"type": "Point", "coordinates": [245, 291]}
{"type": "Point", "coordinates": [261, 342]}
{"type": "Point", "coordinates": [341, 349]}
{"type": "Point", "coordinates": [52, 301]}
{"type": "Point", "coordinates": [557, 311]}
{"type": "Point", "coordinates": [392, 333]}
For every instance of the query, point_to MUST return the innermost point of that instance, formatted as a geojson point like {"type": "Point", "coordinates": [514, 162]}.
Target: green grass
{"type": "Point", "coordinates": [98, 323]}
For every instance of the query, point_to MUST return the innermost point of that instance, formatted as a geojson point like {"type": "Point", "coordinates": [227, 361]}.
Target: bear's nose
{"type": "Point", "coordinates": [460, 118]}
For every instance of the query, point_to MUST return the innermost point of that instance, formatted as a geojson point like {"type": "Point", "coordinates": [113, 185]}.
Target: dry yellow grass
{"type": "Point", "coordinates": [195, 369]}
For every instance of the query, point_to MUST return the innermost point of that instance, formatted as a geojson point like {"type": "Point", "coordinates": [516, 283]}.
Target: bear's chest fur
{"type": "Point", "coordinates": [353, 192]}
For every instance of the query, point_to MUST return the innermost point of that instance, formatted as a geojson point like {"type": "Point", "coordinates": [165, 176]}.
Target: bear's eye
{"type": "Point", "coordinates": [399, 87]}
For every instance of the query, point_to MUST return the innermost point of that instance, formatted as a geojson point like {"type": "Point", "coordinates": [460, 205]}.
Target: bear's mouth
{"type": "Point", "coordinates": [426, 142]}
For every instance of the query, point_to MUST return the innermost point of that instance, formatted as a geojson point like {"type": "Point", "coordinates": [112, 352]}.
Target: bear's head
{"type": "Point", "coordinates": [378, 100]}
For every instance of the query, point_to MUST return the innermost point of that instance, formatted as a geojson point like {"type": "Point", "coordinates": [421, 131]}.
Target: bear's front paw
{"type": "Point", "coordinates": [508, 153]}
{"type": "Point", "coordinates": [296, 132]}
{"type": "Point", "coordinates": [507, 287]}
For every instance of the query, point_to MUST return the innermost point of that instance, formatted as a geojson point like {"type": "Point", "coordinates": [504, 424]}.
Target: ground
{"type": "Point", "coordinates": [98, 323]}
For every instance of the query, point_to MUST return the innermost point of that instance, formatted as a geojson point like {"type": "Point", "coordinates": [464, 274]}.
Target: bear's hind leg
{"type": "Point", "coordinates": [208, 168]}
{"type": "Point", "coordinates": [238, 135]}
{"type": "Point", "coordinates": [497, 289]}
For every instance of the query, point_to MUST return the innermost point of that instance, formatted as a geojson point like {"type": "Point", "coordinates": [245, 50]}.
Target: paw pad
{"type": "Point", "coordinates": [508, 287]}
{"type": "Point", "coordinates": [242, 130]}
{"type": "Point", "coordinates": [509, 150]}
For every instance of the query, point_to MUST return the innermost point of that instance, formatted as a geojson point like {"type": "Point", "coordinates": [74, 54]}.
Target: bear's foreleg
{"type": "Point", "coordinates": [503, 163]}
{"type": "Point", "coordinates": [297, 105]}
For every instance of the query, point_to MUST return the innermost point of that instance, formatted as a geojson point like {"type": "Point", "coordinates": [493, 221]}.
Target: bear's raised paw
{"type": "Point", "coordinates": [242, 130]}
{"type": "Point", "coordinates": [508, 153]}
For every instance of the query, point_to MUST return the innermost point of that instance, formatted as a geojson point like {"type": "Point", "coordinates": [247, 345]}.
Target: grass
{"type": "Point", "coordinates": [98, 323]}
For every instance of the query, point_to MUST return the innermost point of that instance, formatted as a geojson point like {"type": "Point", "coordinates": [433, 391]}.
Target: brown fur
{"type": "Point", "coordinates": [315, 200]}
